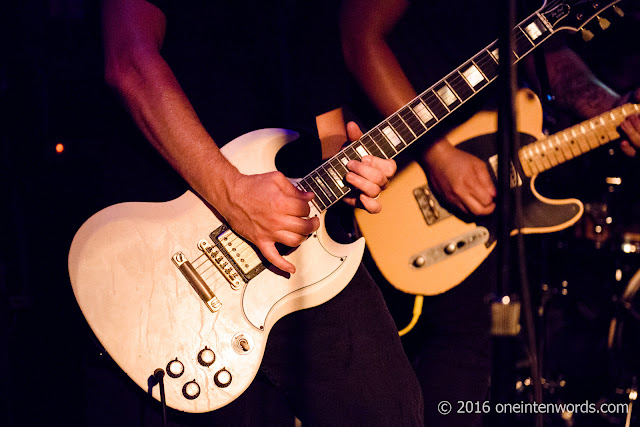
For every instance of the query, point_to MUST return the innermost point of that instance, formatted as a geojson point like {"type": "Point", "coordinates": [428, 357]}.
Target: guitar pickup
{"type": "Point", "coordinates": [222, 264]}
{"type": "Point", "coordinates": [197, 283]}
{"type": "Point", "coordinates": [429, 206]}
{"type": "Point", "coordinates": [238, 252]}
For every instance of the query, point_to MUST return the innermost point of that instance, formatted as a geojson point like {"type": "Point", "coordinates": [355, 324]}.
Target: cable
{"type": "Point", "coordinates": [417, 311]}
{"type": "Point", "coordinates": [158, 374]}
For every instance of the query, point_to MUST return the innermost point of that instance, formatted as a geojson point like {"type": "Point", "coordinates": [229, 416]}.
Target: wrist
{"type": "Point", "coordinates": [435, 152]}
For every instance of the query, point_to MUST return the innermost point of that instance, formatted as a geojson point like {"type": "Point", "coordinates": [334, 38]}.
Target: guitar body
{"type": "Point", "coordinates": [428, 259]}
{"type": "Point", "coordinates": [124, 269]}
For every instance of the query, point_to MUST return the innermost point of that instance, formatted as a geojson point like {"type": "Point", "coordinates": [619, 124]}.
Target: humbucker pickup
{"type": "Point", "coordinates": [238, 252]}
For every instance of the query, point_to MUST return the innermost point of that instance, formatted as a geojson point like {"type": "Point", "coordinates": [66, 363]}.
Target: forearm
{"type": "Point", "coordinates": [379, 74]}
{"type": "Point", "coordinates": [133, 32]}
{"type": "Point", "coordinates": [575, 87]}
{"type": "Point", "coordinates": [163, 113]}
{"type": "Point", "coordinates": [365, 25]}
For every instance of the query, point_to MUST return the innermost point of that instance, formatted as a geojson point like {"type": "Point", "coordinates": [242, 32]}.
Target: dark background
{"type": "Point", "coordinates": [52, 92]}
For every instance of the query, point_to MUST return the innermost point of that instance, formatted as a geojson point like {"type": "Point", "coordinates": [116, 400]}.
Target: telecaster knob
{"type": "Point", "coordinates": [222, 378]}
{"type": "Point", "coordinates": [206, 357]}
{"type": "Point", "coordinates": [419, 262]}
{"type": "Point", "coordinates": [175, 368]}
{"type": "Point", "coordinates": [450, 248]}
{"type": "Point", "coordinates": [191, 390]}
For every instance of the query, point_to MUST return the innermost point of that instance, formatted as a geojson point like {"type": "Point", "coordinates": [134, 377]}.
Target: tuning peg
{"type": "Point", "coordinates": [586, 34]}
{"type": "Point", "coordinates": [619, 11]}
{"type": "Point", "coordinates": [603, 22]}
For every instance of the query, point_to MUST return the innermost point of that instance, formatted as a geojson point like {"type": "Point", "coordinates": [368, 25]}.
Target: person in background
{"type": "Point", "coordinates": [396, 49]}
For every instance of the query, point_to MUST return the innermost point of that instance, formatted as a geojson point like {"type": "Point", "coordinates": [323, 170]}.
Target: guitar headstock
{"type": "Point", "coordinates": [574, 15]}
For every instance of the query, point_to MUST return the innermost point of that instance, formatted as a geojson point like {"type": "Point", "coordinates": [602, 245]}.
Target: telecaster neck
{"type": "Point", "coordinates": [548, 152]}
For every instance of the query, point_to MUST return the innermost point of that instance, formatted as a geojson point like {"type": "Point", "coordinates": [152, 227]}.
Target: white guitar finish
{"type": "Point", "coordinates": [146, 314]}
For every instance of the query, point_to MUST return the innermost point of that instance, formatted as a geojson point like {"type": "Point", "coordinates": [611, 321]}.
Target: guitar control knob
{"type": "Point", "coordinates": [206, 357]}
{"type": "Point", "coordinates": [191, 390]}
{"type": "Point", "coordinates": [450, 248]}
{"type": "Point", "coordinates": [222, 378]}
{"type": "Point", "coordinates": [175, 368]}
{"type": "Point", "coordinates": [419, 262]}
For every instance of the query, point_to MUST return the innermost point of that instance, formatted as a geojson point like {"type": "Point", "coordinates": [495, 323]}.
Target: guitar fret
{"type": "Point", "coordinates": [351, 153]}
{"type": "Point", "coordinates": [422, 112]}
{"type": "Point", "coordinates": [382, 142]}
{"type": "Point", "coordinates": [321, 191]}
{"type": "Point", "coordinates": [304, 186]}
{"type": "Point", "coordinates": [551, 152]}
{"type": "Point", "coordinates": [401, 128]}
{"type": "Point", "coordinates": [588, 140]}
{"type": "Point", "coordinates": [412, 121]}
{"type": "Point", "coordinates": [460, 86]}
{"type": "Point", "coordinates": [447, 96]}
{"type": "Point", "coordinates": [566, 148]}
{"type": "Point", "coordinates": [372, 147]}
{"type": "Point", "coordinates": [535, 29]}
{"type": "Point", "coordinates": [574, 146]}
{"type": "Point", "coordinates": [544, 158]}
{"type": "Point", "coordinates": [487, 64]}
{"type": "Point", "coordinates": [600, 133]}
{"type": "Point", "coordinates": [610, 131]}
{"type": "Point", "coordinates": [436, 106]}
{"type": "Point", "coordinates": [557, 147]}
{"type": "Point", "coordinates": [361, 149]}
{"type": "Point", "coordinates": [320, 196]}
{"type": "Point", "coordinates": [337, 179]}
{"type": "Point", "coordinates": [522, 44]}
{"type": "Point", "coordinates": [338, 166]}
{"type": "Point", "coordinates": [473, 76]}
{"type": "Point", "coordinates": [333, 185]}
{"type": "Point", "coordinates": [391, 135]}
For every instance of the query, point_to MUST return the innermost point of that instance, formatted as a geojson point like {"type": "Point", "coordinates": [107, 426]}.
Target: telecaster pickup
{"type": "Point", "coordinates": [429, 206]}
{"type": "Point", "coordinates": [197, 283]}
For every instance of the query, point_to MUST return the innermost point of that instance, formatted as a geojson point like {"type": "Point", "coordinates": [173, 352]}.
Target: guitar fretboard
{"type": "Point", "coordinates": [405, 126]}
{"type": "Point", "coordinates": [574, 141]}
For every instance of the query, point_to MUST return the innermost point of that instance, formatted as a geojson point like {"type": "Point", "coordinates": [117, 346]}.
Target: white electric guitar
{"type": "Point", "coordinates": [169, 286]}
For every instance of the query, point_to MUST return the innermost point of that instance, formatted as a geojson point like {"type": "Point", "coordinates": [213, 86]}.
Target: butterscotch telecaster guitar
{"type": "Point", "coordinates": [170, 286]}
{"type": "Point", "coordinates": [421, 248]}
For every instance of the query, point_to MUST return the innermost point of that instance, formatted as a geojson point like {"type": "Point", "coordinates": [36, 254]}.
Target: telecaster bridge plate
{"type": "Point", "coordinates": [451, 247]}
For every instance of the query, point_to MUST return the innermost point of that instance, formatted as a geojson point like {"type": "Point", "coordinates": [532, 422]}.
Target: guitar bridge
{"type": "Point", "coordinates": [221, 263]}
{"type": "Point", "coordinates": [197, 283]}
{"type": "Point", "coordinates": [438, 253]}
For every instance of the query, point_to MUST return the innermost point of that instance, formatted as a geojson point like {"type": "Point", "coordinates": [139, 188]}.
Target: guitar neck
{"type": "Point", "coordinates": [401, 129]}
{"type": "Point", "coordinates": [574, 141]}
{"type": "Point", "coordinates": [426, 110]}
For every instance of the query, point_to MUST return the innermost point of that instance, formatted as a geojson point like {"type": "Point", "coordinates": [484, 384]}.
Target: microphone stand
{"type": "Point", "coordinates": [505, 304]}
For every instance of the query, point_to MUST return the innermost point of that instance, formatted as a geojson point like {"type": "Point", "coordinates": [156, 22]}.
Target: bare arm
{"type": "Point", "coordinates": [133, 34]}
{"type": "Point", "coordinates": [462, 178]}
